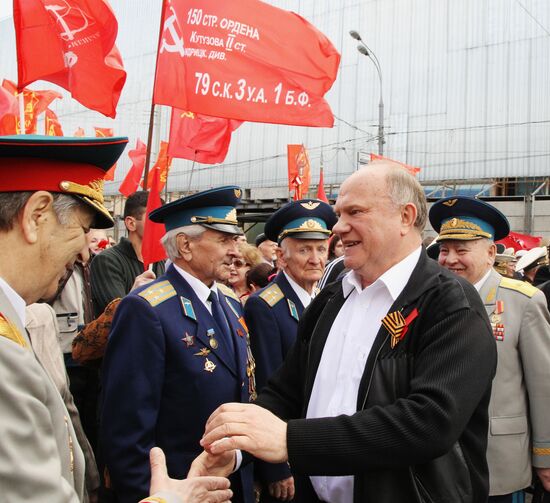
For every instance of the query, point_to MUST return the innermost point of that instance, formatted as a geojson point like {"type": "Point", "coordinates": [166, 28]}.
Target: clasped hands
{"type": "Point", "coordinates": [235, 426]}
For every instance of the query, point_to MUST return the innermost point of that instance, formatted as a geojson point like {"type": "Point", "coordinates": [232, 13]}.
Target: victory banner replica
{"type": "Point", "coordinates": [244, 60]}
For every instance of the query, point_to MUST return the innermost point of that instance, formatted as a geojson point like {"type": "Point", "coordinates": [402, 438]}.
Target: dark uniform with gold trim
{"type": "Point", "coordinates": [166, 369]}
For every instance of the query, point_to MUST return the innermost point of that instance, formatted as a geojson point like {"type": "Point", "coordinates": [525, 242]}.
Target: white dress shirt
{"type": "Point", "coordinates": [345, 354]}
{"type": "Point", "coordinates": [15, 299]}
{"type": "Point", "coordinates": [201, 290]}
{"type": "Point", "coordinates": [305, 298]}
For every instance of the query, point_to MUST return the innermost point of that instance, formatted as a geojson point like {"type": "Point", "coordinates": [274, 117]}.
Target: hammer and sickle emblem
{"type": "Point", "coordinates": [71, 19]}
{"type": "Point", "coordinates": [170, 25]}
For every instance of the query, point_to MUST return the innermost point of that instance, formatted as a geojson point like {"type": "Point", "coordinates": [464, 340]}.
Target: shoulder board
{"type": "Point", "coordinates": [519, 286]}
{"type": "Point", "coordinates": [159, 292]}
{"type": "Point", "coordinates": [11, 332]}
{"type": "Point", "coordinates": [272, 294]}
{"type": "Point", "coordinates": [227, 291]}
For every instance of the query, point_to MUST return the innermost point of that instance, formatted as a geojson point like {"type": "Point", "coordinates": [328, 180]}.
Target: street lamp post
{"type": "Point", "coordinates": [366, 51]}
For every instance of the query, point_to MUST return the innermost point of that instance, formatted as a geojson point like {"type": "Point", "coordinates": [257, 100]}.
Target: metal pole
{"type": "Point", "coordinates": [365, 50]}
{"type": "Point", "coordinates": [381, 125]}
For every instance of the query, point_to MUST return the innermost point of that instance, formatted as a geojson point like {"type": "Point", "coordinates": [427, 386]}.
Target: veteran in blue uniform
{"type": "Point", "coordinates": [177, 350]}
{"type": "Point", "coordinates": [301, 229]}
{"type": "Point", "coordinates": [519, 429]}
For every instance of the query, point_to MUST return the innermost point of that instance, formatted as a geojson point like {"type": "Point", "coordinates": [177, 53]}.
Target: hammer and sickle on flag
{"type": "Point", "coordinates": [177, 39]}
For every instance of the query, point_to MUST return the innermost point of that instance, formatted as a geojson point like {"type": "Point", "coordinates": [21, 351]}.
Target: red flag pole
{"type": "Point", "coordinates": [152, 112]}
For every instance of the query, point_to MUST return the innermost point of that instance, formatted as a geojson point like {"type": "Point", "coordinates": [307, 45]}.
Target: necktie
{"type": "Point", "coordinates": [221, 320]}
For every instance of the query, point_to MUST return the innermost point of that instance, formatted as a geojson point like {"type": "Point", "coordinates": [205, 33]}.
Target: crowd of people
{"type": "Point", "coordinates": [340, 356]}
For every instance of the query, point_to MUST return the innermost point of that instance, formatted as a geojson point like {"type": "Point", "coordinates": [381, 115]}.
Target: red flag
{"type": "Point", "coordinates": [52, 125]}
{"type": "Point", "coordinates": [299, 173]}
{"type": "Point", "coordinates": [131, 182]}
{"type": "Point", "coordinates": [103, 132]}
{"type": "Point", "coordinates": [163, 163]}
{"type": "Point", "coordinates": [321, 188]}
{"type": "Point", "coordinates": [244, 60]}
{"type": "Point", "coordinates": [79, 132]}
{"type": "Point", "coordinates": [151, 249]}
{"type": "Point", "coordinates": [8, 103]}
{"type": "Point", "coordinates": [35, 103]}
{"type": "Point", "coordinates": [106, 132]}
{"type": "Point", "coordinates": [9, 112]}
{"type": "Point", "coordinates": [200, 137]}
{"type": "Point", "coordinates": [72, 44]}
{"type": "Point", "coordinates": [519, 241]}
{"type": "Point", "coordinates": [411, 169]}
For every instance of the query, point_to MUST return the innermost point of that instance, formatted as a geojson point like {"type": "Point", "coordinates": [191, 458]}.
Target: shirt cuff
{"type": "Point", "coordinates": [238, 460]}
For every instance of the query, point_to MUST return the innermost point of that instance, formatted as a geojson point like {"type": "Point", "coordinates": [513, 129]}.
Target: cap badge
{"type": "Point", "coordinates": [310, 205]}
{"type": "Point", "coordinates": [237, 192]}
{"type": "Point", "coordinates": [450, 202]}
{"type": "Point", "coordinates": [311, 225]}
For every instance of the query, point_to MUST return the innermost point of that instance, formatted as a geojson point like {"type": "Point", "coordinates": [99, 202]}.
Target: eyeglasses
{"type": "Point", "coordinates": [240, 263]}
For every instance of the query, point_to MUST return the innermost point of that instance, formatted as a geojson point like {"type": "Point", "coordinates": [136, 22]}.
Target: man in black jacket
{"type": "Point", "coordinates": [384, 396]}
{"type": "Point", "coordinates": [114, 271]}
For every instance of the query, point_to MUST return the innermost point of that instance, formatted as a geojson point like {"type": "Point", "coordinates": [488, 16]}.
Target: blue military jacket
{"type": "Point", "coordinates": [272, 316]}
{"type": "Point", "coordinates": [165, 371]}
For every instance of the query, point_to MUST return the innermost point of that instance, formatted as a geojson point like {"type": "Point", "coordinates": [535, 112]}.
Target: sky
{"type": "Point", "coordinates": [5, 8]}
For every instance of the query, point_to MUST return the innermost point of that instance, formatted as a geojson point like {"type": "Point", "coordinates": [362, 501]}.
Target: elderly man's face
{"type": "Point", "coordinates": [268, 250]}
{"type": "Point", "coordinates": [469, 259]}
{"type": "Point", "coordinates": [303, 259]}
{"type": "Point", "coordinates": [369, 225]}
{"type": "Point", "coordinates": [61, 245]}
{"type": "Point", "coordinates": [212, 255]}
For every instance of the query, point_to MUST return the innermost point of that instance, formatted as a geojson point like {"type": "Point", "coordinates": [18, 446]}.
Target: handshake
{"type": "Point", "coordinates": [231, 427]}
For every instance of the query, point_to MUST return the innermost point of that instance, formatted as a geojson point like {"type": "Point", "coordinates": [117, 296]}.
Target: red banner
{"type": "Point", "coordinates": [35, 102]}
{"type": "Point", "coordinates": [72, 44]}
{"type": "Point", "coordinates": [9, 111]}
{"type": "Point", "coordinates": [151, 248]}
{"type": "Point", "coordinates": [321, 188]}
{"type": "Point", "coordinates": [411, 169]}
{"type": "Point", "coordinates": [131, 182]}
{"type": "Point", "coordinates": [52, 126]}
{"type": "Point", "coordinates": [8, 103]}
{"type": "Point", "coordinates": [519, 241]}
{"type": "Point", "coordinates": [299, 172]}
{"type": "Point", "coordinates": [200, 138]}
{"type": "Point", "coordinates": [163, 164]}
{"type": "Point", "coordinates": [244, 60]}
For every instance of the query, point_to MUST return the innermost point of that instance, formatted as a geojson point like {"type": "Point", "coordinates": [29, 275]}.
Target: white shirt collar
{"type": "Point", "coordinates": [395, 278]}
{"type": "Point", "coordinates": [201, 290]}
{"type": "Point", "coordinates": [479, 285]}
{"type": "Point", "coordinates": [305, 298]}
{"type": "Point", "coordinates": [15, 299]}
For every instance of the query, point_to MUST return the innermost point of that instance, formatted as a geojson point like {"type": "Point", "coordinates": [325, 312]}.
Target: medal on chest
{"type": "Point", "coordinates": [496, 321]}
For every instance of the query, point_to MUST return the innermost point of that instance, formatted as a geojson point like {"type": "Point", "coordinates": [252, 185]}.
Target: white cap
{"type": "Point", "coordinates": [530, 257]}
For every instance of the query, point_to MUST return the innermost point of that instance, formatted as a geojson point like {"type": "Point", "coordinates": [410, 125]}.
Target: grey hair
{"type": "Point", "coordinates": [170, 240]}
{"type": "Point", "coordinates": [12, 203]}
{"type": "Point", "coordinates": [403, 188]}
